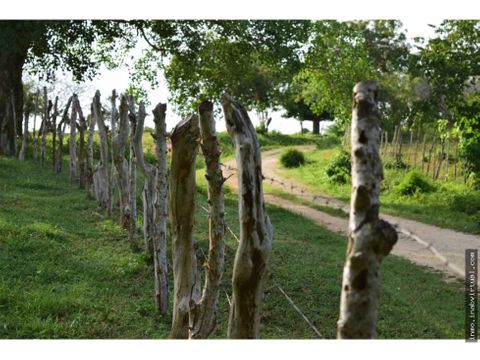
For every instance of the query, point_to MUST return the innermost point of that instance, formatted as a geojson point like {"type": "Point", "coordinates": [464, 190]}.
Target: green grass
{"type": "Point", "coordinates": [452, 205]}
{"type": "Point", "coordinates": [66, 271]}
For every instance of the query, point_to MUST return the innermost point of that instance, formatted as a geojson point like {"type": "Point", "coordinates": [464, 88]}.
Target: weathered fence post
{"type": "Point", "coordinates": [34, 137]}
{"type": "Point", "coordinates": [251, 260]}
{"type": "Point", "coordinates": [26, 114]}
{"type": "Point", "coordinates": [133, 175]}
{"type": "Point", "coordinates": [82, 127]}
{"type": "Point", "coordinates": [203, 314]}
{"type": "Point", "coordinates": [44, 127]}
{"type": "Point", "coordinates": [150, 172]}
{"type": "Point", "coordinates": [61, 132]}
{"type": "Point", "coordinates": [73, 140]}
{"type": "Point", "coordinates": [184, 138]}
{"type": "Point", "coordinates": [89, 191]}
{"type": "Point", "coordinates": [54, 134]}
{"type": "Point", "coordinates": [370, 239]}
{"type": "Point", "coordinates": [100, 174]}
{"type": "Point", "coordinates": [160, 210]}
{"type": "Point", "coordinates": [113, 170]}
{"type": "Point", "coordinates": [119, 144]}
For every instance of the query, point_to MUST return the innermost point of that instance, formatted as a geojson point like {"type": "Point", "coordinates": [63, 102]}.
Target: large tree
{"type": "Point", "coordinates": [79, 46]}
{"type": "Point", "coordinates": [342, 53]}
{"type": "Point", "coordinates": [250, 59]}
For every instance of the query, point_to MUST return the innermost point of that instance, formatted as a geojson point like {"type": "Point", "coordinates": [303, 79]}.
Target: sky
{"type": "Point", "coordinates": [107, 80]}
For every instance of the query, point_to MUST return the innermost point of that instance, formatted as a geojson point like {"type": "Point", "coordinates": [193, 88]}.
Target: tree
{"type": "Point", "coordinates": [450, 65]}
{"type": "Point", "coordinates": [252, 59]}
{"type": "Point", "coordinates": [46, 46]}
{"type": "Point", "coordinates": [343, 53]}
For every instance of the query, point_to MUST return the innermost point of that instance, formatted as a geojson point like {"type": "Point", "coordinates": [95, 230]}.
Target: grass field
{"type": "Point", "coordinates": [453, 204]}
{"type": "Point", "coordinates": [66, 271]}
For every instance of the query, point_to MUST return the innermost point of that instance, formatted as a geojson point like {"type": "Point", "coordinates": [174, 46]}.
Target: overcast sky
{"type": "Point", "coordinates": [117, 79]}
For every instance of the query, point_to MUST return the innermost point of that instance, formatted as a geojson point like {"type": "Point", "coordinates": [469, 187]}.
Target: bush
{"type": "Point", "coordinates": [338, 171]}
{"type": "Point", "coordinates": [413, 183]}
{"type": "Point", "coordinates": [466, 202]}
{"type": "Point", "coordinates": [292, 158]}
{"type": "Point", "coordinates": [395, 164]}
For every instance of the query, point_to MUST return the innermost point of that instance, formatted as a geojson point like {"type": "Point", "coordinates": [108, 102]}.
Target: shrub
{"type": "Point", "coordinates": [466, 202]}
{"type": "Point", "coordinates": [395, 164]}
{"type": "Point", "coordinates": [292, 158]}
{"type": "Point", "coordinates": [413, 183]}
{"type": "Point", "coordinates": [338, 170]}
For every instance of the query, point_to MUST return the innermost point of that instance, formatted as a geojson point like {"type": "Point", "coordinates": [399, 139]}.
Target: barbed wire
{"type": "Point", "coordinates": [276, 284]}
{"type": "Point", "coordinates": [335, 205]}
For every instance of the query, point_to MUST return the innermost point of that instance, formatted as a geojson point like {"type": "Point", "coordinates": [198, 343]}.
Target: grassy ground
{"type": "Point", "coordinates": [453, 204]}
{"type": "Point", "coordinates": [67, 272]}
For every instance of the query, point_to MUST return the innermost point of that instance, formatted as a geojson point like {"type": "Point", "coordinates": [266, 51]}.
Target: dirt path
{"type": "Point", "coordinates": [450, 244]}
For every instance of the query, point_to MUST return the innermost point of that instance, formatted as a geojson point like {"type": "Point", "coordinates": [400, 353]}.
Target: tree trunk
{"type": "Point", "coordinates": [100, 174]}
{"type": "Point", "coordinates": [54, 135]}
{"type": "Point", "coordinates": [21, 155]}
{"type": "Point", "coordinates": [113, 171]}
{"type": "Point", "coordinates": [133, 177]}
{"type": "Point", "coordinates": [370, 239]}
{"type": "Point", "coordinates": [119, 143]}
{"type": "Point", "coordinates": [61, 132]}
{"type": "Point", "coordinates": [73, 140]}
{"type": "Point", "coordinates": [203, 314]}
{"type": "Point", "coordinates": [182, 209]}
{"type": "Point", "coordinates": [82, 127]}
{"type": "Point", "coordinates": [251, 260]}
{"type": "Point", "coordinates": [160, 210]}
{"type": "Point", "coordinates": [316, 127]}
{"type": "Point", "coordinates": [11, 65]}
{"type": "Point", "coordinates": [44, 127]}
{"type": "Point", "coordinates": [89, 190]}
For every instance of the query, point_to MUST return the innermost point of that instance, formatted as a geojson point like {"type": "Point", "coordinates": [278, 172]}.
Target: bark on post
{"type": "Point", "coordinates": [121, 164]}
{"type": "Point", "coordinates": [150, 173]}
{"type": "Point", "coordinates": [251, 260]}
{"type": "Point", "coordinates": [82, 127]}
{"type": "Point", "coordinates": [34, 137]}
{"type": "Point", "coordinates": [89, 191]}
{"type": "Point", "coordinates": [61, 132]}
{"type": "Point", "coordinates": [184, 138]}
{"type": "Point", "coordinates": [54, 134]}
{"type": "Point", "coordinates": [44, 127]}
{"type": "Point", "coordinates": [113, 172]}
{"type": "Point", "coordinates": [133, 175]}
{"type": "Point", "coordinates": [59, 158]}
{"type": "Point", "coordinates": [160, 210]}
{"type": "Point", "coordinates": [21, 155]}
{"type": "Point", "coordinates": [73, 141]}
{"type": "Point", "coordinates": [370, 239]}
{"type": "Point", "coordinates": [100, 174]}
{"type": "Point", "coordinates": [203, 314]}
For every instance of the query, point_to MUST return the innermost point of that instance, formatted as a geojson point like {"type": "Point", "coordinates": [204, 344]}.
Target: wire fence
{"type": "Point", "coordinates": [338, 205]}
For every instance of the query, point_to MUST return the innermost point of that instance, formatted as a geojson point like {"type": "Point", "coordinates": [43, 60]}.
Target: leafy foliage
{"type": "Point", "coordinates": [339, 168]}
{"type": "Point", "coordinates": [414, 182]}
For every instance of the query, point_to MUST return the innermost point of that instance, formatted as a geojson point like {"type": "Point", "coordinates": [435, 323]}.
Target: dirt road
{"type": "Point", "coordinates": [450, 244]}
